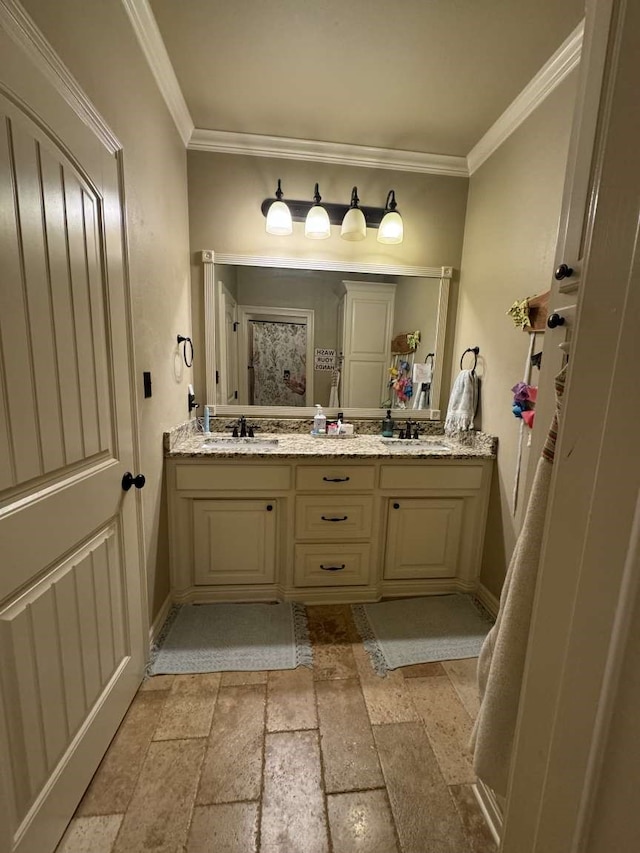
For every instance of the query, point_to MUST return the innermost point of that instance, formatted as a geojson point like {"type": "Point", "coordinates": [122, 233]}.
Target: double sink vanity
{"type": "Point", "coordinates": [289, 516]}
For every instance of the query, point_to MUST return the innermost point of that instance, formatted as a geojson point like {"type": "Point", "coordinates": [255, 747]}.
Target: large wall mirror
{"type": "Point", "coordinates": [282, 337]}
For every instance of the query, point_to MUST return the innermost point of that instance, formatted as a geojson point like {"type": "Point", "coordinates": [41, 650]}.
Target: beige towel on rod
{"type": "Point", "coordinates": [502, 658]}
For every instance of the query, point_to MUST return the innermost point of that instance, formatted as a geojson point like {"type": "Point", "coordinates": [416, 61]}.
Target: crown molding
{"type": "Point", "coordinates": [280, 147]}
{"type": "Point", "coordinates": [208, 256]}
{"type": "Point", "coordinates": [15, 21]}
{"type": "Point", "coordinates": [148, 34]}
{"type": "Point", "coordinates": [552, 73]}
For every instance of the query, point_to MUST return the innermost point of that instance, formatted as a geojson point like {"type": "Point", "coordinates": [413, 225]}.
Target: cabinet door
{"type": "Point", "coordinates": [234, 541]}
{"type": "Point", "coordinates": [423, 537]}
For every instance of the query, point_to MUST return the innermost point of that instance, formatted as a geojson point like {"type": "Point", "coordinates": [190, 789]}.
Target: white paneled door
{"type": "Point", "coordinates": [71, 624]}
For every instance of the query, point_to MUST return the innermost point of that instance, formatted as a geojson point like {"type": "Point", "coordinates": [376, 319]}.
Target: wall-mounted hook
{"type": "Point", "coordinates": [186, 342]}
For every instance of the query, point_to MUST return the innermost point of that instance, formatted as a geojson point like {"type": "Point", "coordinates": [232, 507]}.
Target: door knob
{"type": "Point", "coordinates": [555, 320]}
{"type": "Point", "coordinates": [129, 480]}
{"type": "Point", "coordinates": [563, 271]}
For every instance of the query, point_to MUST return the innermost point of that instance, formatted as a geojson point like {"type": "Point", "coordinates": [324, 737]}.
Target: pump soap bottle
{"type": "Point", "coordinates": [387, 425]}
{"type": "Point", "coordinates": [319, 422]}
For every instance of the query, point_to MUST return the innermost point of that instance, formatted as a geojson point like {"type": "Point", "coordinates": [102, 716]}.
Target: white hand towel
{"type": "Point", "coordinates": [422, 377]}
{"type": "Point", "coordinates": [334, 398]}
{"type": "Point", "coordinates": [422, 373]}
{"type": "Point", "coordinates": [462, 403]}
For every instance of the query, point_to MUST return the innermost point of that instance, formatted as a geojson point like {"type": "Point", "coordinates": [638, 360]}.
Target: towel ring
{"type": "Point", "coordinates": [475, 351]}
{"type": "Point", "coordinates": [188, 360]}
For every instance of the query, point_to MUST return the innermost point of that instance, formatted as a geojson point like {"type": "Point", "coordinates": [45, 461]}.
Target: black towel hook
{"type": "Point", "coordinates": [475, 351]}
{"type": "Point", "coordinates": [184, 340]}
{"type": "Point", "coordinates": [430, 355]}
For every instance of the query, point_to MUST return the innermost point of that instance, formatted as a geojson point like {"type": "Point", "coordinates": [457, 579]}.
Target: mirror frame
{"type": "Point", "coordinates": [210, 259]}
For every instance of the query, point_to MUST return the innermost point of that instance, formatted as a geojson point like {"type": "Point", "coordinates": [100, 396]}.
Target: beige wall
{"type": "Point", "coordinates": [102, 53]}
{"type": "Point", "coordinates": [416, 308]}
{"type": "Point", "coordinates": [509, 246]}
{"type": "Point", "coordinates": [226, 191]}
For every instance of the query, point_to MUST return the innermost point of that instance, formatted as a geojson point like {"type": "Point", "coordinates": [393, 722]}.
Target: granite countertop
{"type": "Point", "coordinates": [193, 443]}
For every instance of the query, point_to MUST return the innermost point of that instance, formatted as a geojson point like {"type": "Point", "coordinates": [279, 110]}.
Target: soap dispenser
{"type": "Point", "coordinates": [387, 425]}
{"type": "Point", "coordinates": [319, 421]}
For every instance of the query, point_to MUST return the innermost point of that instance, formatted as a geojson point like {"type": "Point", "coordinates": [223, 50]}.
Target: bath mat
{"type": "Point", "coordinates": [232, 637]}
{"type": "Point", "coordinates": [419, 630]}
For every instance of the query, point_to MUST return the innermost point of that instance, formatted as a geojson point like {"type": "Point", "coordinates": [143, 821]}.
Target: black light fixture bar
{"type": "Point", "coordinates": [299, 210]}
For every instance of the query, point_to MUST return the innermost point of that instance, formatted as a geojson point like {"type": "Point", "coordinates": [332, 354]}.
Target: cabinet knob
{"type": "Point", "coordinates": [555, 320]}
{"type": "Point", "coordinates": [269, 507]}
{"type": "Point", "coordinates": [563, 271]}
{"type": "Point", "coordinates": [396, 506]}
{"type": "Point", "coordinates": [129, 480]}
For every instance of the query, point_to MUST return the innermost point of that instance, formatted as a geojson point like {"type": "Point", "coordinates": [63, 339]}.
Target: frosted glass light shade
{"type": "Point", "coordinates": [391, 228]}
{"type": "Point", "coordinates": [354, 225]}
{"type": "Point", "coordinates": [317, 225]}
{"type": "Point", "coordinates": [279, 219]}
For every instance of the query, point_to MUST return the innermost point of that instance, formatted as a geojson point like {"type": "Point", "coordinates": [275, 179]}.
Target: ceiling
{"type": "Point", "coordinates": [416, 75]}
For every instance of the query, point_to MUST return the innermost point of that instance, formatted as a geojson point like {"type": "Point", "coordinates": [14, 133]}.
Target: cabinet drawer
{"type": "Point", "coordinates": [335, 478]}
{"type": "Point", "coordinates": [333, 518]}
{"type": "Point", "coordinates": [431, 477]}
{"type": "Point", "coordinates": [234, 542]}
{"type": "Point", "coordinates": [332, 565]}
{"type": "Point", "coordinates": [233, 477]}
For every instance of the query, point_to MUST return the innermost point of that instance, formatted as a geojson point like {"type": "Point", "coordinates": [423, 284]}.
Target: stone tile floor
{"type": "Point", "coordinates": [334, 760]}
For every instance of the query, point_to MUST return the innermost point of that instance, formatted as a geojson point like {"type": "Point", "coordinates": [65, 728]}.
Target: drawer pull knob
{"type": "Point", "coordinates": [563, 271]}
{"type": "Point", "coordinates": [336, 479]}
{"type": "Point", "coordinates": [332, 568]}
{"type": "Point", "coordinates": [328, 518]}
{"type": "Point", "coordinates": [269, 507]}
{"type": "Point", "coordinates": [396, 506]}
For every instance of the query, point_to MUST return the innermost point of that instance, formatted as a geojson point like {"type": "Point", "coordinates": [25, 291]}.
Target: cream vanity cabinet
{"type": "Point", "coordinates": [434, 515]}
{"type": "Point", "coordinates": [227, 525]}
{"type": "Point", "coordinates": [317, 530]}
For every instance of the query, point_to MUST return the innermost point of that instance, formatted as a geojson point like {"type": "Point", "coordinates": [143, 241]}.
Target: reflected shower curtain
{"type": "Point", "coordinates": [278, 360]}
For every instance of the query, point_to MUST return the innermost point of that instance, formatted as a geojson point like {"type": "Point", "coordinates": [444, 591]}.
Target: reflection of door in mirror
{"type": "Point", "coordinates": [228, 343]}
{"type": "Point", "coordinates": [277, 363]}
{"type": "Point", "coordinates": [275, 347]}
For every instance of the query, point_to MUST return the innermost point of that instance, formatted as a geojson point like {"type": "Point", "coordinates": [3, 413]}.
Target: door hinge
{"type": "Point", "coordinates": [217, 378]}
{"type": "Point", "coordinates": [235, 326]}
{"type": "Point", "coordinates": [235, 394]}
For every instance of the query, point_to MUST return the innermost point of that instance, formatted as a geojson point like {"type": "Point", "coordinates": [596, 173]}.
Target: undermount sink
{"type": "Point", "coordinates": [230, 441]}
{"type": "Point", "coordinates": [417, 443]}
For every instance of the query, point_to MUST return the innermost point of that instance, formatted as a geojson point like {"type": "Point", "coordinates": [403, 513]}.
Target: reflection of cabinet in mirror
{"type": "Point", "coordinates": [315, 295]}
{"type": "Point", "coordinates": [366, 323]}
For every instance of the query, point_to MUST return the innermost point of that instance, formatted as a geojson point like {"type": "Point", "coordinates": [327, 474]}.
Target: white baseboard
{"type": "Point", "coordinates": [488, 600]}
{"type": "Point", "coordinates": [158, 622]}
{"type": "Point", "coordinates": [489, 807]}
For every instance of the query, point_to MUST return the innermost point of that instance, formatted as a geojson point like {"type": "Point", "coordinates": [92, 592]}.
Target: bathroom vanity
{"type": "Point", "coordinates": [322, 520]}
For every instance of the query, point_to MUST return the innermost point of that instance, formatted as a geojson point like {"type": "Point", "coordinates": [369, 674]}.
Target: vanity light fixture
{"type": "Point", "coordinates": [391, 229]}
{"type": "Point", "coordinates": [317, 225]}
{"type": "Point", "coordinates": [279, 220]}
{"type": "Point", "coordinates": [318, 217]}
{"type": "Point", "coordinates": [354, 224]}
